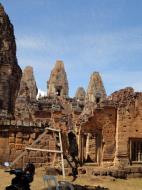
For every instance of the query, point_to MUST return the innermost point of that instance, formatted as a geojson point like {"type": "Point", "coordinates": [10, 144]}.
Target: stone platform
{"type": "Point", "coordinates": [128, 172]}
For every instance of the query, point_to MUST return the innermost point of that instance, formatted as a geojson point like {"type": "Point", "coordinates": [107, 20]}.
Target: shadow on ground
{"type": "Point", "coordinates": [79, 187]}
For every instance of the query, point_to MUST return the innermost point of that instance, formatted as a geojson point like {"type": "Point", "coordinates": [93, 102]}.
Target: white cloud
{"type": "Point", "coordinates": [101, 48]}
{"type": "Point", "coordinates": [31, 42]}
{"type": "Point", "coordinates": [43, 44]}
{"type": "Point", "coordinates": [41, 93]}
{"type": "Point", "coordinates": [104, 49]}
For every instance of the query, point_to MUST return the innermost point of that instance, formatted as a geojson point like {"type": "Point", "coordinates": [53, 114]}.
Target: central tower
{"type": "Point", "coordinates": [58, 83]}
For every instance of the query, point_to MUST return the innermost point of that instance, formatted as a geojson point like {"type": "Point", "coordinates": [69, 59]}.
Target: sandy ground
{"type": "Point", "coordinates": [111, 183]}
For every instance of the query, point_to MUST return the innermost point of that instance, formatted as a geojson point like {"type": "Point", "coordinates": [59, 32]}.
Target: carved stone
{"type": "Point", "coordinates": [27, 94]}
{"type": "Point", "coordinates": [80, 93]}
{"type": "Point", "coordinates": [96, 91]}
{"type": "Point", "coordinates": [29, 80]}
{"type": "Point", "coordinates": [10, 72]}
{"type": "Point", "coordinates": [58, 83]}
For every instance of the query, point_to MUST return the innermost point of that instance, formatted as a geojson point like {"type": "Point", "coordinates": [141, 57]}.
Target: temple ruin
{"type": "Point", "coordinates": [10, 72]}
{"type": "Point", "coordinates": [106, 129]}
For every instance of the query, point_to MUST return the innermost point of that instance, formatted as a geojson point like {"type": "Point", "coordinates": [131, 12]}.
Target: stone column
{"type": "Point", "coordinates": [87, 145]}
{"type": "Point", "coordinates": [121, 155]}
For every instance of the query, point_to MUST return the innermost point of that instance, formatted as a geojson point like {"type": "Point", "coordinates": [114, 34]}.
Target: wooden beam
{"type": "Point", "coordinates": [52, 129]}
{"type": "Point", "coordinates": [43, 150]}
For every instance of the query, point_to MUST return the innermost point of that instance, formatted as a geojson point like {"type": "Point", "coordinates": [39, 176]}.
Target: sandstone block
{"type": "Point", "coordinates": [18, 147]}
{"type": "Point", "coordinates": [26, 136]}
{"type": "Point", "coordinates": [32, 159]}
{"type": "Point", "coordinates": [33, 136]}
{"type": "Point", "coordinates": [12, 134]}
{"type": "Point", "coordinates": [19, 135]}
{"type": "Point", "coordinates": [11, 139]}
{"type": "Point", "coordinates": [32, 154]}
{"type": "Point", "coordinates": [30, 141]}
{"type": "Point", "coordinates": [18, 140]}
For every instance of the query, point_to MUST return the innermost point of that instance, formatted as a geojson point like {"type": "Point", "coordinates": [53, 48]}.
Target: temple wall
{"type": "Point", "coordinates": [129, 119]}
{"type": "Point", "coordinates": [13, 141]}
{"type": "Point", "coordinates": [4, 147]}
{"type": "Point", "coordinates": [103, 126]}
{"type": "Point", "coordinates": [108, 133]}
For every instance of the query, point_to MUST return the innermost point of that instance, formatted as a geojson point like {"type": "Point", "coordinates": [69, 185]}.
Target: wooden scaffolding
{"type": "Point", "coordinates": [31, 148]}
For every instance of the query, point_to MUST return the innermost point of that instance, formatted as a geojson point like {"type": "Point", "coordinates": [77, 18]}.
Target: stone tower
{"type": "Point", "coordinates": [58, 83]}
{"type": "Point", "coordinates": [80, 93]}
{"type": "Point", "coordinates": [96, 91]}
{"type": "Point", "coordinates": [10, 72]}
{"type": "Point", "coordinates": [30, 83]}
{"type": "Point", "coordinates": [26, 95]}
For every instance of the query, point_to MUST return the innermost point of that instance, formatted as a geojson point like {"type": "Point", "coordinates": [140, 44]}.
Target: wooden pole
{"type": "Point", "coordinates": [62, 158]}
{"type": "Point", "coordinates": [43, 150]}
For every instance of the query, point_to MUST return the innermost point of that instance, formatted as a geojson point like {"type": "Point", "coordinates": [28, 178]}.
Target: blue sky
{"type": "Point", "coordinates": [88, 35]}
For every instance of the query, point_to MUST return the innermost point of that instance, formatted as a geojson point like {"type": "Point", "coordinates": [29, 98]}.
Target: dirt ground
{"type": "Point", "coordinates": [107, 182]}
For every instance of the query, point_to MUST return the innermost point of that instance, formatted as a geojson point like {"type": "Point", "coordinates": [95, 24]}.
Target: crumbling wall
{"type": "Point", "coordinates": [4, 146]}
{"type": "Point", "coordinates": [15, 139]}
{"type": "Point", "coordinates": [102, 125]}
{"type": "Point", "coordinates": [129, 117]}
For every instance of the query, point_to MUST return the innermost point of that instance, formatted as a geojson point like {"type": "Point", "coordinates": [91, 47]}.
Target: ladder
{"type": "Point", "coordinates": [31, 148]}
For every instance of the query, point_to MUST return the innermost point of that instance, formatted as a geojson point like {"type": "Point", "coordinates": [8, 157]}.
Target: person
{"type": "Point", "coordinates": [23, 177]}
{"type": "Point", "coordinates": [74, 173]}
{"type": "Point", "coordinates": [29, 172]}
{"type": "Point", "coordinates": [73, 147]}
{"type": "Point", "coordinates": [73, 151]}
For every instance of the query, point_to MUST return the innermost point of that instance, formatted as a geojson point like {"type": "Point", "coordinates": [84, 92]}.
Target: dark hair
{"type": "Point", "coordinates": [30, 168]}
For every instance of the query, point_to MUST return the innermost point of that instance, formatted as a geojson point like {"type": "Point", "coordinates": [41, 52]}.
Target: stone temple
{"type": "Point", "coordinates": [107, 129]}
{"type": "Point", "coordinates": [10, 72]}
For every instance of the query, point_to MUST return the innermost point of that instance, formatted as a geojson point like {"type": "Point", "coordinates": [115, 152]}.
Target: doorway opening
{"type": "Point", "coordinates": [58, 90]}
{"type": "Point", "coordinates": [98, 98]}
{"type": "Point", "coordinates": [136, 150]}
{"type": "Point", "coordinates": [92, 148]}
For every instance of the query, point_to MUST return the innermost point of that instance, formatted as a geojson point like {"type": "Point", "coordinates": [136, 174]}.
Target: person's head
{"type": "Point", "coordinates": [30, 168]}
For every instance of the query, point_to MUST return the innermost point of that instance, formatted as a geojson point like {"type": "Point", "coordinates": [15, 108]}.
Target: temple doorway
{"type": "Point", "coordinates": [92, 148]}
{"type": "Point", "coordinates": [58, 90]}
{"type": "Point", "coordinates": [136, 150]}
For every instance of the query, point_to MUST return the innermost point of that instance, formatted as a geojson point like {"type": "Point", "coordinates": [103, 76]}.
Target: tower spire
{"type": "Point", "coordinates": [1, 9]}
{"type": "Point", "coordinates": [58, 83]}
